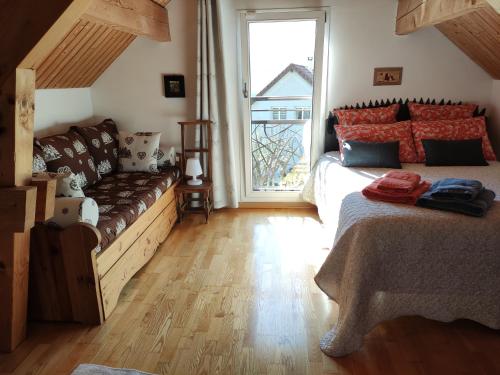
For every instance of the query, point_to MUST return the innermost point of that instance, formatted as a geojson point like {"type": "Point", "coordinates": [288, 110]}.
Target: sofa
{"type": "Point", "coordinates": [101, 235]}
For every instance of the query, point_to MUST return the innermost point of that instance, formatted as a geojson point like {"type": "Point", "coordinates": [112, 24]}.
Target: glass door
{"type": "Point", "coordinates": [282, 58]}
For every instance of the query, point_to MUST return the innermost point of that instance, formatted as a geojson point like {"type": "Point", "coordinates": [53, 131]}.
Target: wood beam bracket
{"type": "Point", "coordinates": [45, 197]}
{"type": "Point", "coordinates": [17, 209]}
{"type": "Point", "coordinates": [416, 14]}
{"type": "Point", "coordinates": [139, 17]}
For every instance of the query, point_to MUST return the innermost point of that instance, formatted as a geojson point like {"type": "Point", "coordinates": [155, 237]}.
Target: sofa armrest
{"type": "Point", "coordinates": [79, 243]}
{"type": "Point", "coordinates": [68, 211]}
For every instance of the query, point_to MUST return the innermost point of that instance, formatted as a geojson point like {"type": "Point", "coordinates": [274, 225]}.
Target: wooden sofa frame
{"type": "Point", "coordinates": [71, 281]}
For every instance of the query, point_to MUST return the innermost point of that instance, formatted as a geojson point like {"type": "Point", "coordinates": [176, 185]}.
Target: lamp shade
{"type": "Point", "coordinates": [193, 167]}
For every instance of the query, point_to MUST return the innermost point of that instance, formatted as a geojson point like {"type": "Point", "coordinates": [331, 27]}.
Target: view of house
{"type": "Point", "coordinates": [286, 97]}
{"type": "Point", "coordinates": [225, 187]}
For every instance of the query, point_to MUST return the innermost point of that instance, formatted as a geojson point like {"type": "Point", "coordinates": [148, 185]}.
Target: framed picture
{"type": "Point", "coordinates": [387, 76]}
{"type": "Point", "coordinates": [174, 86]}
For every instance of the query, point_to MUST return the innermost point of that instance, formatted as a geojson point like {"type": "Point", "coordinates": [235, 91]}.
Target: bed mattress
{"type": "Point", "coordinates": [330, 182]}
{"type": "Point", "coordinates": [390, 260]}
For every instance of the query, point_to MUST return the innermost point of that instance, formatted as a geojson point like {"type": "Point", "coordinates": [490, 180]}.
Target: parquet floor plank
{"type": "Point", "coordinates": [237, 296]}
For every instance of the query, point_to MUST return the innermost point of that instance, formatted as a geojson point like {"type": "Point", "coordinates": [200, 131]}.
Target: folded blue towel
{"type": "Point", "coordinates": [477, 207]}
{"type": "Point", "coordinates": [456, 188]}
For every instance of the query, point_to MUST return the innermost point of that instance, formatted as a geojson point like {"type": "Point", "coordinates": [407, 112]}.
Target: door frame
{"type": "Point", "coordinates": [321, 15]}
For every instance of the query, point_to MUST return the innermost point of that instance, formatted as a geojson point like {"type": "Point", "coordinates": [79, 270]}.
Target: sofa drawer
{"type": "Point", "coordinates": [120, 245]}
{"type": "Point", "coordinates": [141, 251]}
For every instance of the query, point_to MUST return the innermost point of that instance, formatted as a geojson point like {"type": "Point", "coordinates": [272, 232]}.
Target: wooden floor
{"type": "Point", "coordinates": [237, 296]}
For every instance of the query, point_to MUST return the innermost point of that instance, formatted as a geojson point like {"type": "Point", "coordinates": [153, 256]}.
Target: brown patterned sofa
{"type": "Point", "coordinates": [79, 267]}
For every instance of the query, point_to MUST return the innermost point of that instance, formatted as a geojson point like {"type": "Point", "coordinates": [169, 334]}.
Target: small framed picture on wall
{"type": "Point", "coordinates": [174, 86]}
{"type": "Point", "coordinates": [387, 76]}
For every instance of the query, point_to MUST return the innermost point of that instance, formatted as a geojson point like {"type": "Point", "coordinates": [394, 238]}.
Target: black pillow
{"type": "Point", "coordinates": [452, 153]}
{"type": "Point", "coordinates": [370, 154]}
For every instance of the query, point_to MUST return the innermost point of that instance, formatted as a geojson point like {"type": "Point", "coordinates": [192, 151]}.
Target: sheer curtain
{"type": "Point", "coordinates": [211, 103]}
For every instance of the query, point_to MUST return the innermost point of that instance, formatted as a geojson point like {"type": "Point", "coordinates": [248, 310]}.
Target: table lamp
{"type": "Point", "coordinates": [193, 169]}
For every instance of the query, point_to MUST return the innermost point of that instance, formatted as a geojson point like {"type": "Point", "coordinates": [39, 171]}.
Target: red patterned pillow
{"type": "Point", "coordinates": [380, 115]}
{"type": "Point", "coordinates": [431, 112]}
{"type": "Point", "coordinates": [400, 131]}
{"type": "Point", "coordinates": [452, 130]}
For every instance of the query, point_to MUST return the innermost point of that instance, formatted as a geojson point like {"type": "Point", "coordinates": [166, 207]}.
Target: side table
{"type": "Point", "coordinates": [184, 200]}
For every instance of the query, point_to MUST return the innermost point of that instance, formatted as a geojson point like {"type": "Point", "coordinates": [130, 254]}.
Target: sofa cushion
{"type": "Point", "coordinates": [102, 141]}
{"type": "Point", "coordinates": [67, 184]}
{"type": "Point", "coordinates": [69, 153]}
{"type": "Point", "coordinates": [138, 152]}
{"type": "Point", "coordinates": [39, 164]}
{"type": "Point", "coordinates": [166, 156]}
{"type": "Point", "coordinates": [123, 197]}
{"type": "Point", "coordinates": [69, 211]}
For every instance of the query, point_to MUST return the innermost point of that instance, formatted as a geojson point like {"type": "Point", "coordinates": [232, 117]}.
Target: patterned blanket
{"type": "Point", "coordinates": [391, 260]}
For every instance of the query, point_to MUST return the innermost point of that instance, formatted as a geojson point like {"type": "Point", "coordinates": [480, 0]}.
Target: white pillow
{"type": "Point", "coordinates": [166, 156]}
{"type": "Point", "coordinates": [138, 152]}
{"type": "Point", "coordinates": [68, 184]}
{"type": "Point", "coordinates": [39, 164]}
{"type": "Point", "coordinates": [68, 211]}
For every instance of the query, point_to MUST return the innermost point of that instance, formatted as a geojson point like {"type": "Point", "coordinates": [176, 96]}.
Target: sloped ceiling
{"type": "Point", "coordinates": [477, 34]}
{"type": "Point", "coordinates": [472, 25]}
{"type": "Point", "coordinates": [98, 38]}
{"type": "Point", "coordinates": [82, 56]}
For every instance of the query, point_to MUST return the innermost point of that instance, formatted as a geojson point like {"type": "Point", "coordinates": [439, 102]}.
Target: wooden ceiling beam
{"type": "Point", "coordinates": [138, 17]}
{"type": "Point", "coordinates": [472, 25]}
{"type": "Point", "coordinates": [415, 14]}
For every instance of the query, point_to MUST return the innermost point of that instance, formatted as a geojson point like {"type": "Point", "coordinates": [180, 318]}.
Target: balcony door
{"type": "Point", "coordinates": [282, 66]}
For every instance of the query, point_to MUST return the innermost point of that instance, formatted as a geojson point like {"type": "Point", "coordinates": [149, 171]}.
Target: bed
{"type": "Point", "coordinates": [391, 260]}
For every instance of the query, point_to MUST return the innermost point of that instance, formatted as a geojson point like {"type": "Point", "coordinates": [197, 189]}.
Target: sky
{"type": "Point", "coordinates": [274, 45]}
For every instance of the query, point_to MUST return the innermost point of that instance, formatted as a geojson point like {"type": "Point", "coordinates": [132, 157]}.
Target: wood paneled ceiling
{"type": "Point", "coordinates": [97, 38]}
{"type": "Point", "coordinates": [477, 34]}
{"type": "Point", "coordinates": [83, 55]}
{"type": "Point", "coordinates": [472, 25]}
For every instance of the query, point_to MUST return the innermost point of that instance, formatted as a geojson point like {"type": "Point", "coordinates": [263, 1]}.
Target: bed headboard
{"type": "Point", "coordinates": [331, 142]}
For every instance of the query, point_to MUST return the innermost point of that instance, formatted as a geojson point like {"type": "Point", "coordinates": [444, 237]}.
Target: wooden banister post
{"type": "Point", "coordinates": [31, 30]}
{"type": "Point", "coordinates": [17, 202]}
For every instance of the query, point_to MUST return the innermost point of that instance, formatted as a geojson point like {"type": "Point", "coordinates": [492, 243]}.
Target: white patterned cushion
{"type": "Point", "coordinates": [138, 152]}
{"type": "Point", "coordinates": [68, 185]}
{"type": "Point", "coordinates": [166, 156]}
{"type": "Point", "coordinates": [39, 164]}
{"type": "Point", "coordinates": [69, 211]}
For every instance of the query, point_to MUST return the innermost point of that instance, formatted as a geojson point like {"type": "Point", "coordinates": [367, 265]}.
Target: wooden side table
{"type": "Point", "coordinates": [183, 199]}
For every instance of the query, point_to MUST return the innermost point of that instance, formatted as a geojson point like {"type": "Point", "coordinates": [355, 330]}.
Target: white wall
{"type": "Point", "coordinates": [494, 116]}
{"type": "Point", "coordinates": [362, 37]}
{"type": "Point", "coordinates": [57, 110]}
{"type": "Point", "coordinates": [131, 90]}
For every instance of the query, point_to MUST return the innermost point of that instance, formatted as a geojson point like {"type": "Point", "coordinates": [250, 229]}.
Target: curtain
{"type": "Point", "coordinates": [211, 104]}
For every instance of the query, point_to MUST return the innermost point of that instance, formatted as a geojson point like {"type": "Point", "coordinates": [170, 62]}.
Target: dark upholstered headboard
{"type": "Point", "coordinates": [331, 142]}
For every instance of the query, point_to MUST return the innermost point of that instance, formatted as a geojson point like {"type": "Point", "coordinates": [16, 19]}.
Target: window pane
{"type": "Point", "coordinates": [282, 77]}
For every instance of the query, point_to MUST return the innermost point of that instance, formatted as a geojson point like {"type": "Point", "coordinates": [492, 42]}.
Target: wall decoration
{"type": "Point", "coordinates": [174, 86]}
{"type": "Point", "coordinates": [387, 76]}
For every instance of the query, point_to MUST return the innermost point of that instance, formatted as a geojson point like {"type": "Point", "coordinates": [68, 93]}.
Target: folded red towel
{"type": "Point", "coordinates": [372, 191]}
{"type": "Point", "coordinates": [399, 181]}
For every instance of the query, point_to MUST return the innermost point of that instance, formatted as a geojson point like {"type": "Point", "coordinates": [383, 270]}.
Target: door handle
{"type": "Point", "coordinates": [245, 90]}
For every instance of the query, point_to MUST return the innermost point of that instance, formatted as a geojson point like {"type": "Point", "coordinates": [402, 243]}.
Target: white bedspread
{"type": "Point", "coordinates": [391, 260]}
